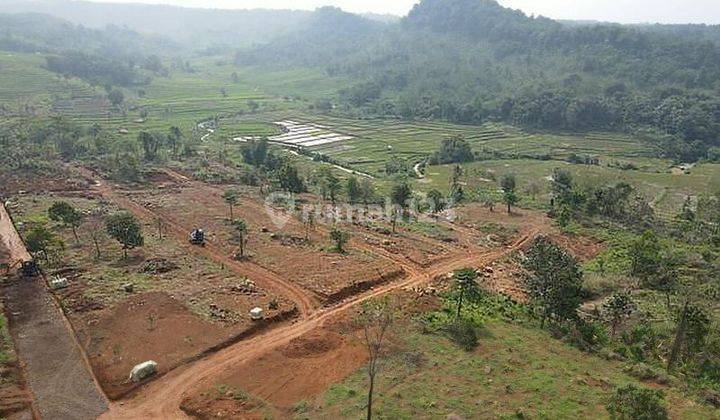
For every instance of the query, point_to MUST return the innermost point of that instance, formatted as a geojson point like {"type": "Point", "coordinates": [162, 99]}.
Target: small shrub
{"type": "Point", "coordinates": [645, 372]}
{"type": "Point", "coordinates": [463, 333]}
{"type": "Point", "coordinates": [633, 403]}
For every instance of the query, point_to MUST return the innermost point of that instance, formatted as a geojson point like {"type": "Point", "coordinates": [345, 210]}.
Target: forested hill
{"type": "Point", "coordinates": [473, 60]}
{"type": "Point", "coordinates": [195, 28]}
{"type": "Point", "coordinates": [328, 35]}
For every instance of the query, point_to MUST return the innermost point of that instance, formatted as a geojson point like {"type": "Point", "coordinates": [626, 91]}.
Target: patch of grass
{"type": "Point", "coordinates": [7, 352]}
{"type": "Point", "coordinates": [515, 370]}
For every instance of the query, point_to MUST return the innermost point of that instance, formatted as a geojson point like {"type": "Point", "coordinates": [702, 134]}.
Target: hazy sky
{"type": "Point", "coordinates": [626, 11]}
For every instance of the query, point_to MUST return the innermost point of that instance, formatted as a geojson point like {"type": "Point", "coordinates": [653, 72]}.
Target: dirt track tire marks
{"type": "Point", "coordinates": [162, 399]}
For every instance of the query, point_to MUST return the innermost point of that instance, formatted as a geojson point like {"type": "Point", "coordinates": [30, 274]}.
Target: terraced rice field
{"type": "Point", "coordinates": [25, 86]}
{"type": "Point", "coordinates": [366, 145]}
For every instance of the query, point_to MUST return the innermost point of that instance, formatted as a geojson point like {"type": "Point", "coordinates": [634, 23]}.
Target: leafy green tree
{"type": "Point", "coordinates": [340, 238]}
{"type": "Point", "coordinates": [232, 198]}
{"type": "Point", "coordinates": [352, 189]}
{"type": "Point", "coordinates": [400, 197]}
{"type": "Point", "coordinates": [554, 281]}
{"type": "Point", "coordinates": [39, 240]}
{"type": "Point", "coordinates": [125, 228]}
{"type": "Point", "coordinates": [367, 191]}
{"type": "Point", "coordinates": [457, 193]}
{"type": "Point", "coordinates": [453, 150]}
{"type": "Point", "coordinates": [240, 234]}
{"type": "Point", "coordinates": [508, 183]}
{"type": "Point", "coordinates": [150, 143]}
{"type": "Point", "coordinates": [64, 212]}
{"type": "Point", "coordinates": [561, 186]}
{"type": "Point", "coordinates": [617, 308]}
{"type": "Point", "coordinates": [693, 327]}
{"type": "Point", "coordinates": [436, 201]}
{"type": "Point", "coordinates": [652, 264]}
{"type": "Point", "coordinates": [633, 403]}
{"type": "Point", "coordinates": [333, 186]}
{"type": "Point", "coordinates": [174, 137]}
{"type": "Point", "coordinates": [256, 152]}
{"type": "Point", "coordinates": [290, 180]}
{"type": "Point", "coordinates": [645, 256]}
{"type": "Point", "coordinates": [465, 285]}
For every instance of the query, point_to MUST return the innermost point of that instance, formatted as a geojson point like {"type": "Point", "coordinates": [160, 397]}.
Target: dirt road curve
{"type": "Point", "coordinates": [10, 239]}
{"type": "Point", "coordinates": [162, 398]}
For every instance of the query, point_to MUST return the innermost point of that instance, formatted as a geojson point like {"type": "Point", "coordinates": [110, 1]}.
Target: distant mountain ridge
{"type": "Point", "coordinates": [199, 27]}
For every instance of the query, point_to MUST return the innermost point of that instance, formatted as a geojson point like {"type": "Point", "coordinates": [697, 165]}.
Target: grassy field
{"type": "Point", "coordinates": [516, 372]}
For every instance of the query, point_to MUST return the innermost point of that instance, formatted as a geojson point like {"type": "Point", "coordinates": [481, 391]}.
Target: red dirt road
{"type": "Point", "coordinates": [10, 239]}
{"type": "Point", "coordinates": [162, 398]}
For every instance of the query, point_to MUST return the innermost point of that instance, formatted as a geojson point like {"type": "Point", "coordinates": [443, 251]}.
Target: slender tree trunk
{"type": "Point", "coordinates": [74, 230]}
{"type": "Point", "coordinates": [242, 245]}
{"type": "Point", "coordinates": [97, 247]}
{"type": "Point", "coordinates": [679, 339]}
{"type": "Point", "coordinates": [459, 308]}
{"type": "Point", "coordinates": [509, 209]}
{"type": "Point", "coordinates": [370, 396]}
{"type": "Point", "coordinates": [232, 216]}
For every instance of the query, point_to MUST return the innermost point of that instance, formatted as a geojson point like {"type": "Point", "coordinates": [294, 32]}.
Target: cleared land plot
{"type": "Point", "coordinates": [282, 250]}
{"type": "Point", "coordinates": [181, 304]}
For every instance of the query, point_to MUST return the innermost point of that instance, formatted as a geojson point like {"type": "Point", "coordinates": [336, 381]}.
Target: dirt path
{"type": "Point", "coordinates": [56, 369]}
{"type": "Point", "coordinates": [264, 278]}
{"type": "Point", "coordinates": [10, 240]}
{"type": "Point", "coordinates": [162, 398]}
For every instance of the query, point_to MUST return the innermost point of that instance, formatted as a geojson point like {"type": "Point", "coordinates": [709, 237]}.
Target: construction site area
{"type": "Point", "coordinates": [187, 306]}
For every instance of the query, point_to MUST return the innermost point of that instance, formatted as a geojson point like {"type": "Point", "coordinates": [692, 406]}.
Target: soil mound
{"type": "Point", "coordinates": [311, 346]}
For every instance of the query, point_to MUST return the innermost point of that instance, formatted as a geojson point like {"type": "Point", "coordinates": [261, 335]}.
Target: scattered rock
{"type": "Point", "coordinates": [488, 370]}
{"type": "Point", "coordinates": [129, 287]}
{"type": "Point", "coordinates": [256, 314]}
{"type": "Point", "coordinates": [143, 371]}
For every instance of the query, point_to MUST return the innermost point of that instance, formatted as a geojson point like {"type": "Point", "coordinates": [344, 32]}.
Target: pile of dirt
{"type": "Point", "coordinates": [313, 345]}
{"type": "Point", "coordinates": [218, 405]}
{"type": "Point", "coordinates": [298, 371]}
{"type": "Point", "coordinates": [157, 266]}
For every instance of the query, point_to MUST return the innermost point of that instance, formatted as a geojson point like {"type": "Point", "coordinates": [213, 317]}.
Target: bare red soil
{"type": "Point", "coordinates": [294, 372]}
{"type": "Point", "coordinates": [293, 361]}
{"type": "Point", "coordinates": [155, 327]}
